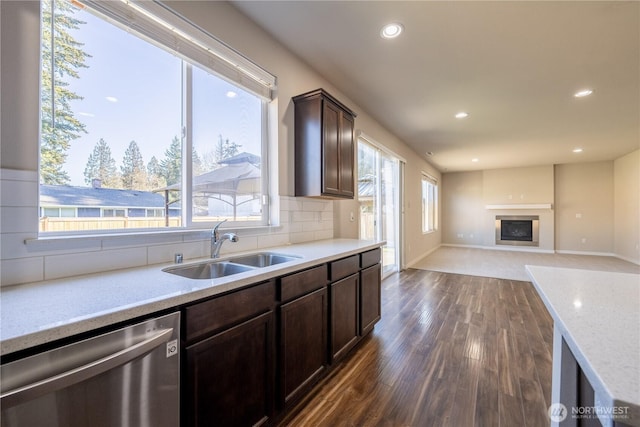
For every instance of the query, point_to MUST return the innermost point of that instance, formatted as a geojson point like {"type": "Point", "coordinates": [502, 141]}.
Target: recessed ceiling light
{"type": "Point", "coordinates": [391, 31]}
{"type": "Point", "coordinates": [462, 115]}
{"type": "Point", "coordinates": [475, 160]}
{"type": "Point", "coordinates": [231, 94]}
{"type": "Point", "coordinates": [583, 93]}
{"type": "Point", "coordinates": [577, 150]}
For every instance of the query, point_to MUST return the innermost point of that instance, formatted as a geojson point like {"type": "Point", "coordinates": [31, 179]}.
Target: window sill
{"type": "Point", "coordinates": [136, 238]}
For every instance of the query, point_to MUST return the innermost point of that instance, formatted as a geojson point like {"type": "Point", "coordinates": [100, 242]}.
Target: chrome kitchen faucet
{"type": "Point", "coordinates": [217, 240]}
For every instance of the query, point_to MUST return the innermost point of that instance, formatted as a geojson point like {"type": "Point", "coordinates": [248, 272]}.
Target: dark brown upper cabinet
{"type": "Point", "coordinates": [324, 146]}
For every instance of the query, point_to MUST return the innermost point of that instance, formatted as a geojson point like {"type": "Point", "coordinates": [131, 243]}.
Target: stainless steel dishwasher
{"type": "Point", "coordinates": [127, 378]}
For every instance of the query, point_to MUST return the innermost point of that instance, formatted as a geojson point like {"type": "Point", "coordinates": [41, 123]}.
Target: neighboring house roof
{"type": "Point", "coordinates": [241, 158]}
{"type": "Point", "coordinates": [67, 195]}
{"type": "Point", "coordinates": [366, 187]}
{"type": "Point", "coordinates": [235, 178]}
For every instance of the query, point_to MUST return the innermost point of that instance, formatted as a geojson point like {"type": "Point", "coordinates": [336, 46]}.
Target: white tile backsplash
{"type": "Point", "coordinates": [302, 237]}
{"type": "Point", "coordinates": [165, 253]}
{"type": "Point", "coordinates": [272, 240]}
{"type": "Point", "coordinates": [301, 220]}
{"type": "Point", "coordinates": [58, 266]}
{"type": "Point", "coordinates": [323, 234]}
{"type": "Point", "coordinates": [21, 270]}
{"type": "Point", "coordinates": [17, 219]}
{"type": "Point", "coordinates": [18, 193]}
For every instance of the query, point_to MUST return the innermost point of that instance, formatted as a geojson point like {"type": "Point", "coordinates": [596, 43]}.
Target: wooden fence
{"type": "Point", "coordinates": [85, 224]}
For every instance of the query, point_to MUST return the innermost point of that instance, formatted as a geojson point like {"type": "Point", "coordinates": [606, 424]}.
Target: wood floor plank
{"type": "Point", "coordinates": [466, 393]}
{"type": "Point", "coordinates": [486, 411]}
{"type": "Point", "coordinates": [533, 403]}
{"type": "Point", "coordinates": [450, 350]}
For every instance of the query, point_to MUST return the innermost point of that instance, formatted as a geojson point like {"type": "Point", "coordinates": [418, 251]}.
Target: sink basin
{"type": "Point", "coordinates": [263, 259]}
{"type": "Point", "coordinates": [208, 270]}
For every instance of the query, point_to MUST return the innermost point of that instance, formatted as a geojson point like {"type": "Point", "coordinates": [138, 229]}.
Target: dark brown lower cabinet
{"type": "Point", "coordinates": [344, 315]}
{"type": "Point", "coordinates": [370, 304]}
{"type": "Point", "coordinates": [251, 355]}
{"type": "Point", "coordinates": [303, 344]}
{"type": "Point", "coordinates": [230, 376]}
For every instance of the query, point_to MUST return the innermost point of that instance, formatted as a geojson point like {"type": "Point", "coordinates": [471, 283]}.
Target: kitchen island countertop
{"type": "Point", "coordinates": [597, 314]}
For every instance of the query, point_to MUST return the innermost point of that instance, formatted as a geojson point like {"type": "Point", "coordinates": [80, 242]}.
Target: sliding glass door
{"type": "Point", "coordinates": [379, 196]}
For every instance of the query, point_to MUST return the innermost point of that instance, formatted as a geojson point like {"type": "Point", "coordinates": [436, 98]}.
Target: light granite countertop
{"type": "Point", "coordinates": [598, 315]}
{"type": "Point", "coordinates": [38, 313]}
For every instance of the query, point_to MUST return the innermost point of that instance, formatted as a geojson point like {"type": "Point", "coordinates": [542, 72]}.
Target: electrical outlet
{"type": "Point", "coordinates": [578, 215]}
{"type": "Point", "coordinates": [460, 236]}
{"type": "Point", "coordinates": [584, 240]}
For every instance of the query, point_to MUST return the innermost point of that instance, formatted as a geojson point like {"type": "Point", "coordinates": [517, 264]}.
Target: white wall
{"type": "Point", "coordinates": [626, 183]}
{"type": "Point", "coordinates": [301, 219]}
{"type": "Point", "coordinates": [467, 195]}
{"type": "Point", "coordinates": [598, 202]}
{"type": "Point", "coordinates": [584, 207]}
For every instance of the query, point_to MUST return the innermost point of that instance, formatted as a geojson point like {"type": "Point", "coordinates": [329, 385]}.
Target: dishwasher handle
{"type": "Point", "coordinates": [39, 388]}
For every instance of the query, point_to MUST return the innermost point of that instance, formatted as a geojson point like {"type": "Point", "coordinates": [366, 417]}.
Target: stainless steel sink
{"type": "Point", "coordinates": [263, 259]}
{"type": "Point", "coordinates": [208, 270]}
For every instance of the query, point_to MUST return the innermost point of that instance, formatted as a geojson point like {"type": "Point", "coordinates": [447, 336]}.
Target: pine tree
{"type": "Point", "coordinates": [102, 166]}
{"type": "Point", "coordinates": [134, 174]}
{"type": "Point", "coordinates": [197, 166]}
{"type": "Point", "coordinates": [155, 179]}
{"type": "Point", "coordinates": [59, 126]}
{"type": "Point", "coordinates": [171, 165]}
{"type": "Point", "coordinates": [225, 149]}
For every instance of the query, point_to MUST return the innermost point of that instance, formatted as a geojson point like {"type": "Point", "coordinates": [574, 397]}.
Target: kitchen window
{"type": "Point", "coordinates": [429, 203]}
{"type": "Point", "coordinates": [145, 116]}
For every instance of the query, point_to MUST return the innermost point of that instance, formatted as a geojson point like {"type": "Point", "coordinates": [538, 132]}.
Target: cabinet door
{"type": "Point", "coordinates": [344, 315]}
{"type": "Point", "coordinates": [346, 160]}
{"type": "Point", "coordinates": [370, 311]}
{"type": "Point", "coordinates": [303, 343]}
{"type": "Point", "coordinates": [331, 117]}
{"type": "Point", "coordinates": [230, 376]}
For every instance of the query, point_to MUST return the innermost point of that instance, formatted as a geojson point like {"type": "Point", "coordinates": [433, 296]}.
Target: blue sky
{"type": "Point", "coordinates": [132, 91]}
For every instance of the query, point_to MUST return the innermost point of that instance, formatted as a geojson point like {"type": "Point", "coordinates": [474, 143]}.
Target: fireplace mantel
{"type": "Point", "coordinates": [520, 206]}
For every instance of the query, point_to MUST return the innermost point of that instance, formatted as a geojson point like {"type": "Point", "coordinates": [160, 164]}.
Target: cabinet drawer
{"type": "Point", "coordinates": [302, 283]}
{"type": "Point", "coordinates": [344, 267]}
{"type": "Point", "coordinates": [227, 310]}
{"type": "Point", "coordinates": [369, 258]}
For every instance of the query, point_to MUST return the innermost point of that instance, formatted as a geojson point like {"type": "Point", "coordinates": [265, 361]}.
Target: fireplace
{"type": "Point", "coordinates": [517, 230]}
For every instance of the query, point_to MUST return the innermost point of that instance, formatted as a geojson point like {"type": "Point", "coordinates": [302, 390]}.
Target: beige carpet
{"type": "Point", "coordinates": [510, 264]}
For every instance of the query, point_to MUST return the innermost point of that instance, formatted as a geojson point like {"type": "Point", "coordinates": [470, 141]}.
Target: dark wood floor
{"type": "Point", "coordinates": [450, 350]}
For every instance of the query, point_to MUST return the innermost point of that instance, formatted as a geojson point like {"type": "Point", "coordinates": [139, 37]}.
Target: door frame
{"type": "Point", "coordinates": [400, 229]}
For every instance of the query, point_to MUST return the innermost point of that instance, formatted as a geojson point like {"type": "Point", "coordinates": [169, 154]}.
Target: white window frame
{"type": "Point", "coordinates": [159, 25]}
{"type": "Point", "coordinates": [429, 201]}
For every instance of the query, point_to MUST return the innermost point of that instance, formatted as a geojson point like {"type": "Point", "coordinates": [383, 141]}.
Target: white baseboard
{"type": "Point", "coordinates": [458, 245]}
{"type": "Point", "coordinates": [624, 258]}
{"type": "Point", "coordinates": [585, 253]}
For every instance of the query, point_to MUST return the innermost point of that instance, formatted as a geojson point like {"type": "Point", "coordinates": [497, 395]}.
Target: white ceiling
{"type": "Point", "coordinates": [514, 66]}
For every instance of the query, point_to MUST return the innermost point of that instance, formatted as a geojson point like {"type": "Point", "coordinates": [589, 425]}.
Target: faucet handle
{"type": "Point", "coordinates": [215, 227]}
